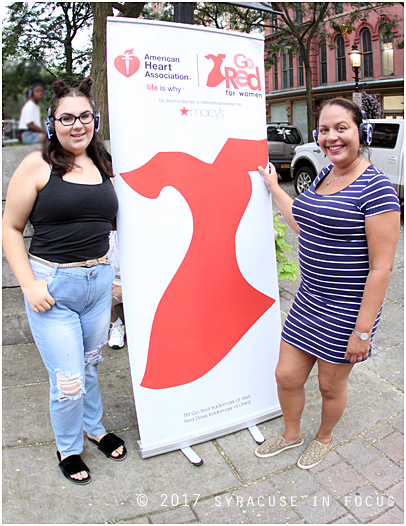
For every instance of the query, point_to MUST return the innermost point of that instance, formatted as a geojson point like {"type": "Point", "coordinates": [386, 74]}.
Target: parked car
{"type": "Point", "coordinates": [283, 137]}
{"type": "Point", "coordinates": [386, 153]}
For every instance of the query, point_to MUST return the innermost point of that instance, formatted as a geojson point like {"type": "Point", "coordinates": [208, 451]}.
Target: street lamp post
{"type": "Point", "coordinates": [355, 57]}
{"type": "Point", "coordinates": [184, 12]}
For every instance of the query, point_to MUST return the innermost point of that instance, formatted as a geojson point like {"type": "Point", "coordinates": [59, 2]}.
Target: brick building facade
{"type": "Point", "coordinates": [381, 73]}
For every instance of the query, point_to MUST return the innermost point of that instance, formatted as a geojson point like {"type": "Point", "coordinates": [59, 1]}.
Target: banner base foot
{"type": "Point", "coordinates": [256, 434]}
{"type": "Point", "coordinates": [192, 456]}
{"type": "Point", "coordinates": [185, 444]}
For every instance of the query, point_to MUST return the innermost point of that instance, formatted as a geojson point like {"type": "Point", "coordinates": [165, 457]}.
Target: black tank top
{"type": "Point", "coordinates": [72, 221]}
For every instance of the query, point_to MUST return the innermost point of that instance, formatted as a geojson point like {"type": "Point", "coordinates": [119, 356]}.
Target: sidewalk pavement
{"type": "Point", "coordinates": [359, 482]}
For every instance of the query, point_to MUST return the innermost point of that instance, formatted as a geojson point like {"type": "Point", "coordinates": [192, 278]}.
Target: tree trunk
{"type": "Point", "coordinates": [69, 60]}
{"type": "Point", "coordinates": [101, 10]}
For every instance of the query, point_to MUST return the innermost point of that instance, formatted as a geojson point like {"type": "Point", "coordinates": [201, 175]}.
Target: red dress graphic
{"type": "Point", "coordinates": [215, 76]}
{"type": "Point", "coordinates": [208, 306]}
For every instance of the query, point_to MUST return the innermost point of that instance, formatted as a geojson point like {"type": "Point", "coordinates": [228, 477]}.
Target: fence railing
{"type": "Point", "coordinates": [10, 127]}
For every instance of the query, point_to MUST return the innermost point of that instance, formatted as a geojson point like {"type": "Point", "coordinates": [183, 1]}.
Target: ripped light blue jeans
{"type": "Point", "coordinates": [69, 337]}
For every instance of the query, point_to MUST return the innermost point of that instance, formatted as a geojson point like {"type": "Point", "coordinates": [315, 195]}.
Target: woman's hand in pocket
{"type": "Point", "coordinates": [38, 296]}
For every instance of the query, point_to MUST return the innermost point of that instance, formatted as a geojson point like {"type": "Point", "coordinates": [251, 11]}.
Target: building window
{"type": "Point", "coordinates": [300, 70]}
{"type": "Point", "coordinates": [298, 15]}
{"type": "Point", "coordinates": [367, 58]}
{"type": "Point", "coordinates": [274, 23]}
{"type": "Point", "coordinates": [340, 59]}
{"type": "Point", "coordinates": [290, 71]}
{"type": "Point", "coordinates": [338, 8]}
{"type": "Point", "coordinates": [386, 54]}
{"type": "Point", "coordinates": [287, 71]}
{"type": "Point", "coordinates": [323, 63]}
{"type": "Point", "coordinates": [393, 102]}
{"type": "Point", "coordinates": [392, 106]}
{"type": "Point", "coordinates": [278, 113]}
{"type": "Point", "coordinates": [275, 73]}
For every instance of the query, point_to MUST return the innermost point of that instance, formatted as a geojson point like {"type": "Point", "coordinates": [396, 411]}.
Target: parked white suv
{"type": "Point", "coordinates": [386, 150]}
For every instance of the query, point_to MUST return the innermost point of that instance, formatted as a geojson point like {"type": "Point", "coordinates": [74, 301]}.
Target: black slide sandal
{"type": "Point", "coordinates": [72, 465]}
{"type": "Point", "coordinates": [110, 443]}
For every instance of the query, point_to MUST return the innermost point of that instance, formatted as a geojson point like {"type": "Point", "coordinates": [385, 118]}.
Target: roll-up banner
{"type": "Point", "coordinates": [195, 229]}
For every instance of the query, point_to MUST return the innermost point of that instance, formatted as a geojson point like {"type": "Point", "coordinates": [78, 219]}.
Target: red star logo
{"type": "Point", "coordinates": [184, 111]}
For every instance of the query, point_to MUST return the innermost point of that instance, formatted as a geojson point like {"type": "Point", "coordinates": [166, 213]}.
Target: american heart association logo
{"type": "Point", "coordinates": [127, 64]}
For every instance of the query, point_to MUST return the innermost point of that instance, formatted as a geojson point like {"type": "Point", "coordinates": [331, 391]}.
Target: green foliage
{"type": "Point", "coordinates": [213, 14]}
{"type": "Point", "coordinates": [165, 14]}
{"type": "Point", "coordinates": [226, 16]}
{"type": "Point", "coordinates": [38, 42]}
{"type": "Point", "coordinates": [286, 267]}
{"type": "Point", "coordinates": [44, 32]}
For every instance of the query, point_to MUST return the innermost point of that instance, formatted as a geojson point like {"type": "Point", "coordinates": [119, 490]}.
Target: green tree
{"type": "Point", "coordinates": [302, 26]}
{"type": "Point", "coordinates": [45, 32]}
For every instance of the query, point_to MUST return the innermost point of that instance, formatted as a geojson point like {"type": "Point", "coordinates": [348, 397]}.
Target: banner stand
{"type": "Point", "coordinates": [194, 458]}
{"type": "Point", "coordinates": [159, 449]}
{"type": "Point", "coordinates": [195, 229]}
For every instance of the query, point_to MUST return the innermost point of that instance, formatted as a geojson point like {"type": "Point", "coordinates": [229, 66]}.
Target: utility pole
{"type": "Point", "coordinates": [260, 6]}
{"type": "Point", "coordinates": [184, 12]}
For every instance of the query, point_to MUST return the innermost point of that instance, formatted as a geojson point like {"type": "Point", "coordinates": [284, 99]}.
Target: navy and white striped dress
{"type": "Point", "coordinates": [333, 257]}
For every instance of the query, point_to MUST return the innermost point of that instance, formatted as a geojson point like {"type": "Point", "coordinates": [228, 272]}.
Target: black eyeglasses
{"type": "Point", "coordinates": [69, 120]}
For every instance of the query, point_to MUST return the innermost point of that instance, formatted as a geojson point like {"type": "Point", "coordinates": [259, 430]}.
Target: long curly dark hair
{"type": "Point", "coordinates": [53, 153]}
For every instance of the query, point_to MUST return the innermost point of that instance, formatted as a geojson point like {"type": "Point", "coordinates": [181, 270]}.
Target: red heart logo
{"type": "Point", "coordinates": [127, 64]}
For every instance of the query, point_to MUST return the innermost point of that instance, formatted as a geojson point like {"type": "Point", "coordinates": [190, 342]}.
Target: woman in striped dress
{"type": "Point", "coordinates": [348, 224]}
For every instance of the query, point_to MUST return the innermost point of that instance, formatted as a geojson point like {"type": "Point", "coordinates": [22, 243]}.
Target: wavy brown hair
{"type": "Point", "coordinates": [354, 109]}
{"type": "Point", "coordinates": [53, 153]}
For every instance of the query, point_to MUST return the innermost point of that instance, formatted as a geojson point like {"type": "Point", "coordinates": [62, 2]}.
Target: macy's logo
{"type": "Point", "coordinates": [198, 112]}
{"type": "Point", "coordinates": [236, 77]}
{"type": "Point", "coordinates": [127, 64]}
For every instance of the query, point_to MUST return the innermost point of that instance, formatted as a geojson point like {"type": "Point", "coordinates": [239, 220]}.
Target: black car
{"type": "Point", "coordinates": [283, 137]}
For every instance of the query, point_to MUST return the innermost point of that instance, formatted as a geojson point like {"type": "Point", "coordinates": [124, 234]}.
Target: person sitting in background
{"type": "Point", "coordinates": [29, 125]}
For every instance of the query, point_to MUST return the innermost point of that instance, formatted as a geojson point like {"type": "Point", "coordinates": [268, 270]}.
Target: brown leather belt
{"type": "Point", "coordinates": [89, 263]}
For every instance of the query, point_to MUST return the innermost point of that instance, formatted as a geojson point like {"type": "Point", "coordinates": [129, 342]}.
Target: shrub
{"type": "Point", "coordinates": [286, 267]}
{"type": "Point", "coordinates": [371, 106]}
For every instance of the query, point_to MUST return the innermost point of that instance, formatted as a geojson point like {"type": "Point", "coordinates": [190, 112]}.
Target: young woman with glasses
{"type": "Point", "coordinates": [66, 192]}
